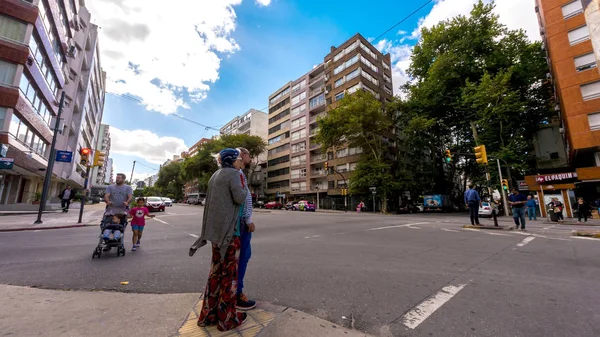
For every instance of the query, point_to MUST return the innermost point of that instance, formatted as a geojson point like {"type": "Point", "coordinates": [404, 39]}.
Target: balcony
{"type": "Point", "coordinates": [318, 158]}
{"type": "Point", "coordinates": [317, 79]}
{"type": "Point", "coordinates": [314, 146]}
{"type": "Point", "coordinates": [315, 92]}
{"type": "Point", "coordinates": [316, 174]}
{"type": "Point", "coordinates": [301, 149]}
{"type": "Point", "coordinates": [313, 119]}
{"type": "Point", "coordinates": [313, 132]}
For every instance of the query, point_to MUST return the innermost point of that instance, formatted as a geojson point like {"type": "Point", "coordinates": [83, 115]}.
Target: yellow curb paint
{"type": "Point", "coordinates": [256, 322]}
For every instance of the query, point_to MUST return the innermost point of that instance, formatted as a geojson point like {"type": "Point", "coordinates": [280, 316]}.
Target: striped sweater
{"type": "Point", "coordinates": [247, 214]}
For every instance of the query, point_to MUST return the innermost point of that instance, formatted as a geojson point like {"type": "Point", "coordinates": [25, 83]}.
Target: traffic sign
{"type": "Point", "coordinates": [6, 163]}
{"type": "Point", "coordinates": [64, 156]}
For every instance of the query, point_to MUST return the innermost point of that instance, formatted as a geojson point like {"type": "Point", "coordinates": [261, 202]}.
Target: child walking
{"type": "Point", "coordinates": [138, 216]}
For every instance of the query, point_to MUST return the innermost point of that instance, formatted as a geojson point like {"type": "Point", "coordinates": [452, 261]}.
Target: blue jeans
{"type": "Point", "coordinates": [532, 213]}
{"type": "Point", "coordinates": [519, 213]}
{"type": "Point", "coordinates": [245, 254]}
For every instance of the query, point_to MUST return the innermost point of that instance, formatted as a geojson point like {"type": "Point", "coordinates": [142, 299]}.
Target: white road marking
{"type": "Point", "coordinates": [397, 226]}
{"type": "Point", "coordinates": [316, 236]}
{"type": "Point", "coordinates": [175, 214]}
{"type": "Point", "coordinates": [418, 315]}
{"type": "Point", "coordinates": [585, 238]}
{"type": "Point", "coordinates": [472, 229]}
{"type": "Point", "coordinates": [193, 235]}
{"type": "Point", "coordinates": [414, 227]}
{"type": "Point", "coordinates": [159, 220]}
{"type": "Point", "coordinates": [450, 230]}
{"type": "Point", "coordinates": [525, 241]}
{"type": "Point", "coordinates": [497, 234]}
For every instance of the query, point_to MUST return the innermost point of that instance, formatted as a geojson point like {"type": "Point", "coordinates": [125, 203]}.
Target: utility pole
{"type": "Point", "coordinates": [50, 167]}
{"type": "Point", "coordinates": [85, 193]}
{"type": "Point", "coordinates": [131, 179]}
{"type": "Point", "coordinates": [487, 171]}
{"type": "Point", "coordinates": [502, 189]}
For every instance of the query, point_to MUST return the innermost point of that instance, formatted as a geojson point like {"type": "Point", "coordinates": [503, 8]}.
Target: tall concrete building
{"type": "Point", "coordinates": [46, 48]}
{"type": "Point", "coordinates": [109, 176]}
{"type": "Point", "coordinates": [99, 174]}
{"type": "Point", "coordinates": [568, 29]}
{"type": "Point", "coordinates": [295, 161]}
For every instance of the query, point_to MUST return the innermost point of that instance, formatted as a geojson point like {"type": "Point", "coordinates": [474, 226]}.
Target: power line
{"type": "Point", "coordinates": [152, 168]}
{"type": "Point", "coordinates": [404, 19]}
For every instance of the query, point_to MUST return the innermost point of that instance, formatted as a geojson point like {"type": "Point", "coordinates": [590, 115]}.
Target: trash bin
{"type": "Point", "coordinates": [551, 216]}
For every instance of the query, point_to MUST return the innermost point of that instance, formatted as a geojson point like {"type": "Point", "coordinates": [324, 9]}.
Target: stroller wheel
{"type": "Point", "coordinates": [94, 254]}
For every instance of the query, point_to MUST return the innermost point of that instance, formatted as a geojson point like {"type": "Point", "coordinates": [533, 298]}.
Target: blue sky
{"type": "Point", "coordinates": [260, 48]}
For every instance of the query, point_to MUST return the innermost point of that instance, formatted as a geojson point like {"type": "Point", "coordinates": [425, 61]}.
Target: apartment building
{"type": "Point", "coordinates": [295, 162]}
{"type": "Point", "coordinates": [46, 48]}
{"type": "Point", "coordinates": [192, 186]}
{"type": "Point", "coordinates": [99, 175]}
{"type": "Point", "coordinates": [109, 176]}
{"type": "Point", "coordinates": [567, 28]}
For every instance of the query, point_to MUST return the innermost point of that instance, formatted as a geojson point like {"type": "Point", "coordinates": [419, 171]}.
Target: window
{"type": "Point", "coordinates": [2, 116]}
{"type": "Point", "coordinates": [572, 9]}
{"type": "Point", "coordinates": [36, 100]}
{"type": "Point", "coordinates": [277, 173]}
{"type": "Point", "coordinates": [369, 77]}
{"type": "Point", "coordinates": [354, 88]}
{"type": "Point", "coordinates": [298, 98]}
{"type": "Point", "coordinates": [299, 147]}
{"type": "Point", "coordinates": [299, 160]}
{"type": "Point", "coordinates": [301, 186]}
{"type": "Point", "coordinates": [585, 62]}
{"type": "Point", "coordinates": [279, 127]}
{"type": "Point", "coordinates": [579, 35]}
{"type": "Point", "coordinates": [339, 96]}
{"type": "Point", "coordinates": [299, 86]}
{"type": "Point", "coordinates": [297, 174]}
{"type": "Point", "coordinates": [298, 110]}
{"type": "Point", "coordinates": [279, 160]}
{"type": "Point", "coordinates": [590, 91]}
{"type": "Point", "coordinates": [339, 82]}
{"type": "Point", "coordinates": [299, 134]}
{"type": "Point", "coordinates": [342, 168]}
{"type": "Point", "coordinates": [353, 74]}
{"type": "Point", "coordinates": [7, 73]}
{"type": "Point", "coordinates": [279, 95]}
{"type": "Point", "coordinates": [316, 101]}
{"type": "Point", "coordinates": [594, 120]}
{"type": "Point", "coordinates": [369, 64]}
{"type": "Point", "coordinates": [353, 166]}
{"type": "Point", "coordinates": [341, 153]}
{"type": "Point", "coordinates": [299, 122]}
{"type": "Point", "coordinates": [342, 184]}
{"type": "Point", "coordinates": [279, 116]}
{"type": "Point", "coordinates": [369, 51]}
{"type": "Point", "coordinates": [12, 29]}
{"type": "Point", "coordinates": [354, 150]}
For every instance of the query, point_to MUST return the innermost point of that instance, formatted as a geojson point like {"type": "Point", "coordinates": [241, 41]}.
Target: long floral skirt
{"type": "Point", "coordinates": [218, 307]}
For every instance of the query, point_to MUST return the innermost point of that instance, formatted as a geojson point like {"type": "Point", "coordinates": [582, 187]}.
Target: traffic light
{"type": "Point", "coordinates": [327, 167]}
{"type": "Point", "coordinates": [84, 154]}
{"type": "Point", "coordinates": [448, 156]}
{"type": "Point", "coordinates": [481, 155]}
{"type": "Point", "coordinates": [99, 158]}
{"type": "Point", "coordinates": [505, 184]}
{"type": "Point", "coordinates": [344, 191]}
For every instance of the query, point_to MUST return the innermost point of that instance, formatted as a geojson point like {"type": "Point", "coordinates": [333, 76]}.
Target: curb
{"type": "Point", "coordinates": [4, 213]}
{"type": "Point", "coordinates": [23, 229]}
{"type": "Point", "coordinates": [497, 228]}
{"type": "Point", "coordinates": [586, 234]}
{"type": "Point", "coordinates": [580, 224]}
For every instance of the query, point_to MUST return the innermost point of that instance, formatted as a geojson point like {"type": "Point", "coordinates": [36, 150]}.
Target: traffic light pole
{"type": "Point", "coordinates": [50, 167]}
{"type": "Point", "coordinates": [345, 184]}
{"type": "Point", "coordinates": [491, 193]}
{"type": "Point", "coordinates": [84, 197]}
{"type": "Point", "coordinates": [502, 189]}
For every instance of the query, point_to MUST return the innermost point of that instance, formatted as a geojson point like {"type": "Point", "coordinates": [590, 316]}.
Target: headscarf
{"type": "Point", "coordinates": [228, 157]}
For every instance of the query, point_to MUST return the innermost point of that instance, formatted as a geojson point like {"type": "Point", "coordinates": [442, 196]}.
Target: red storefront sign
{"type": "Point", "coordinates": [555, 177]}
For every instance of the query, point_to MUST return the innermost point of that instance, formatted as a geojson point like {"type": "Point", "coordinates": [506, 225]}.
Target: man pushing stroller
{"type": "Point", "coordinates": [117, 198]}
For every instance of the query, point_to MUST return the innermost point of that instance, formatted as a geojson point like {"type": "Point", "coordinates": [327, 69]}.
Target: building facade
{"type": "Point", "coordinates": [46, 48]}
{"type": "Point", "coordinates": [99, 174]}
{"type": "Point", "coordinates": [109, 178]}
{"type": "Point", "coordinates": [568, 39]}
{"type": "Point", "coordinates": [296, 164]}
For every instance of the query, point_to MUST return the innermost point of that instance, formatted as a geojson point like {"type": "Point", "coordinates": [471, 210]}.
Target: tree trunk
{"type": "Point", "coordinates": [384, 208]}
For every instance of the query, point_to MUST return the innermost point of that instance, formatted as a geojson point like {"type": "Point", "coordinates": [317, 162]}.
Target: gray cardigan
{"type": "Point", "coordinates": [224, 198]}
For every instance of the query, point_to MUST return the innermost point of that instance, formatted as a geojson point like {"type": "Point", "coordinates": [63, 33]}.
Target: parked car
{"type": "Point", "coordinates": [273, 205]}
{"type": "Point", "coordinates": [485, 210]}
{"type": "Point", "coordinates": [259, 204]}
{"type": "Point", "coordinates": [168, 202]}
{"type": "Point", "coordinates": [304, 205]}
{"type": "Point", "coordinates": [155, 204]}
{"type": "Point", "coordinates": [408, 209]}
{"type": "Point", "coordinates": [289, 206]}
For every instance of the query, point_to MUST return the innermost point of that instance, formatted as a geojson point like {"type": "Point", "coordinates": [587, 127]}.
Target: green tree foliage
{"type": "Point", "coordinates": [170, 180]}
{"type": "Point", "coordinates": [360, 120]}
{"type": "Point", "coordinates": [472, 70]}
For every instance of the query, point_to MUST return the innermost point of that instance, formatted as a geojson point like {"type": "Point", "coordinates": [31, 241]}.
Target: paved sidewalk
{"type": "Point", "coordinates": [91, 216]}
{"type": "Point", "coordinates": [29, 311]}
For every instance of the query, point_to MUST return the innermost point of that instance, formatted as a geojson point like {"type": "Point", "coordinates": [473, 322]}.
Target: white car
{"type": "Point", "coordinates": [168, 202]}
{"type": "Point", "coordinates": [486, 209]}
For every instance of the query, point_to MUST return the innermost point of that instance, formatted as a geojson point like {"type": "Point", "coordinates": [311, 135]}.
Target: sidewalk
{"type": "Point", "coordinates": [39, 312]}
{"type": "Point", "coordinates": [91, 216]}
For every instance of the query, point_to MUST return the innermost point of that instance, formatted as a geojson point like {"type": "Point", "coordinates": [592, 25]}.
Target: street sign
{"type": "Point", "coordinates": [523, 185]}
{"type": "Point", "coordinates": [3, 150]}
{"type": "Point", "coordinates": [6, 163]}
{"type": "Point", "coordinates": [559, 177]}
{"type": "Point", "coordinates": [64, 156]}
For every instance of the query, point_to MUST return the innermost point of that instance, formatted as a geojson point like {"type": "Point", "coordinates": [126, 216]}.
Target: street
{"type": "Point", "coordinates": [405, 275]}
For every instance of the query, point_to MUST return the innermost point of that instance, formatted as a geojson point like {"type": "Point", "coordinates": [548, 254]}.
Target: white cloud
{"type": "Point", "coordinates": [515, 14]}
{"type": "Point", "coordinates": [158, 52]}
{"type": "Point", "coordinates": [145, 144]}
{"type": "Point", "coordinates": [263, 2]}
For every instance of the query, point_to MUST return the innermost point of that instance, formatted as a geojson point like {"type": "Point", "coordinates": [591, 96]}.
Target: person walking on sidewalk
{"type": "Point", "coordinates": [117, 199]}
{"type": "Point", "coordinates": [224, 202]}
{"type": "Point", "coordinates": [517, 201]}
{"type": "Point", "coordinates": [531, 206]}
{"type": "Point", "coordinates": [557, 207]}
{"type": "Point", "coordinates": [66, 196]}
{"type": "Point", "coordinates": [473, 201]}
{"type": "Point", "coordinates": [583, 210]}
{"type": "Point", "coordinates": [246, 229]}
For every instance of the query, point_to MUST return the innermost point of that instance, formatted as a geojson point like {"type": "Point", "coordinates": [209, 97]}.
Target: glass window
{"type": "Point", "coordinates": [585, 62]}
{"type": "Point", "coordinates": [2, 116]}
{"type": "Point", "coordinates": [339, 82]}
{"type": "Point", "coordinates": [594, 120]}
{"type": "Point", "coordinates": [22, 132]}
{"type": "Point", "coordinates": [298, 98]}
{"type": "Point", "coordinates": [8, 72]}
{"type": "Point", "coordinates": [590, 91]}
{"type": "Point", "coordinates": [579, 35]}
{"type": "Point", "coordinates": [12, 29]}
{"type": "Point", "coordinates": [28, 137]}
{"type": "Point", "coordinates": [338, 70]}
{"type": "Point", "coordinates": [13, 129]}
{"type": "Point", "coordinates": [353, 74]}
{"type": "Point", "coordinates": [35, 143]}
{"type": "Point", "coordinates": [572, 9]}
{"type": "Point", "coordinates": [339, 96]}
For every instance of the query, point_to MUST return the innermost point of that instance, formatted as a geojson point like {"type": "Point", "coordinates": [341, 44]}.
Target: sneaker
{"type": "Point", "coordinates": [242, 318]}
{"type": "Point", "coordinates": [243, 303]}
{"type": "Point", "coordinates": [138, 243]}
{"type": "Point", "coordinates": [133, 249]}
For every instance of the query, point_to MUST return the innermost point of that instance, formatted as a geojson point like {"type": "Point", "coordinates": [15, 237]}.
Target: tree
{"type": "Point", "coordinates": [471, 71]}
{"type": "Point", "coordinates": [254, 144]}
{"type": "Point", "coordinates": [170, 180]}
{"type": "Point", "coordinates": [360, 120]}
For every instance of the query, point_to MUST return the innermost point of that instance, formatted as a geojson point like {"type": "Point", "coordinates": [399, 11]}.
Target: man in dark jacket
{"type": "Point", "coordinates": [66, 196]}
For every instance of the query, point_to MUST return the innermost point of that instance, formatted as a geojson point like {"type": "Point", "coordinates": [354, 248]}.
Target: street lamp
{"type": "Point", "coordinates": [318, 203]}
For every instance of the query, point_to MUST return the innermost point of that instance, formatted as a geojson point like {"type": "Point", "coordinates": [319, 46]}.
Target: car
{"type": "Point", "coordinates": [168, 202]}
{"type": "Point", "coordinates": [259, 204]}
{"type": "Point", "coordinates": [155, 204]}
{"type": "Point", "coordinates": [304, 205]}
{"type": "Point", "coordinates": [408, 209]}
{"type": "Point", "coordinates": [485, 210]}
{"type": "Point", "coordinates": [289, 206]}
{"type": "Point", "coordinates": [273, 205]}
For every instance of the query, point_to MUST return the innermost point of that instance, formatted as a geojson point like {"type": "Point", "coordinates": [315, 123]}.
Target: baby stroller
{"type": "Point", "coordinates": [105, 245]}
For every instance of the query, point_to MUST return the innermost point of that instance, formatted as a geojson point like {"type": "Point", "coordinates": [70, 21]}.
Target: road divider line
{"type": "Point", "coordinates": [419, 314]}
{"type": "Point", "coordinates": [159, 220]}
{"type": "Point", "coordinates": [397, 226]}
{"type": "Point", "coordinates": [193, 235]}
{"type": "Point", "coordinates": [498, 234]}
{"type": "Point", "coordinates": [584, 238]}
{"type": "Point", "coordinates": [525, 241]}
{"type": "Point", "coordinates": [450, 230]}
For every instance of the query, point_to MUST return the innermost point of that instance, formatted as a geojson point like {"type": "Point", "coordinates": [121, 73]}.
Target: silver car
{"type": "Point", "coordinates": [168, 202]}
{"type": "Point", "coordinates": [486, 209]}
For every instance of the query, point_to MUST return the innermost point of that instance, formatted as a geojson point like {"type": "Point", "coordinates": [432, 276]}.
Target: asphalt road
{"type": "Point", "coordinates": [408, 275]}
